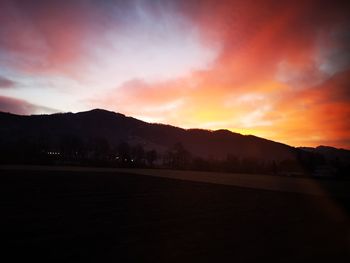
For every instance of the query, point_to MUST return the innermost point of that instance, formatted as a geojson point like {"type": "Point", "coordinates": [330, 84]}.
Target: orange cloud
{"type": "Point", "coordinates": [271, 68]}
{"type": "Point", "coordinates": [269, 79]}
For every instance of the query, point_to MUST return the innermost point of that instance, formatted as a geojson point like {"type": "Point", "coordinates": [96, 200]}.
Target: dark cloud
{"type": "Point", "coordinates": [6, 83]}
{"type": "Point", "coordinates": [337, 89]}
{"type": "Point", "coordinates": [18, 106]}
{"type": "Point", "coordinates": [51, 35]}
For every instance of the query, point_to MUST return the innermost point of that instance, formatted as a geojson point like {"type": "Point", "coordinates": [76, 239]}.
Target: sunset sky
{"type": "Point", "coordinates": [275, 69]}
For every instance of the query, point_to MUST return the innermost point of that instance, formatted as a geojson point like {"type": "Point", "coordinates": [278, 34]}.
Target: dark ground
{"type": "Point", "coordinates": [106, 217]}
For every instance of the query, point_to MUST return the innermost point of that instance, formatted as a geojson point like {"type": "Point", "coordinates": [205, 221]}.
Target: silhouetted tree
{"type": "Point", "coordinates": [151, 157]}
{"type": "Point", "coordinates": [101, 148]}
{"type": "Point", "coordinates": [231, 163]}
{"type": "Point", "coordinates": [70, 147]}
{"type": "Point", "coordinates": [274, 168]}
{"type": "Point", "coordinates": [201, 164]}
{"type": "Point", "coordinates": [138, 155]}
{"type": "Point", "coordinates": [177, 157]}
{"type": "Point", "coordinates": [124, 154]}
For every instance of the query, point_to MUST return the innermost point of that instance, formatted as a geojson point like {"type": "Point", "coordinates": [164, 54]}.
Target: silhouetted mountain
{"type": "Point", "coordinates": [330, 153]}
{"type": "Point", "coordinates": [116, 128]}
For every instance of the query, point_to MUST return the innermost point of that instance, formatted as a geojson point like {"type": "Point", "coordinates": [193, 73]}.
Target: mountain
{"type": "Point", "coordinates": [330, 153]}
{"type": "Point", "coordinates": [115, 128]}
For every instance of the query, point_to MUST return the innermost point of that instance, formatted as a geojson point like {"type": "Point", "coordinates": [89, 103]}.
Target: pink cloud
{"type": "Point", "coordinates": [280, 70]}
{"type": "Point", "coordinates": [21, 107]}
{"type": "Point", "coordinates": [6, 83]}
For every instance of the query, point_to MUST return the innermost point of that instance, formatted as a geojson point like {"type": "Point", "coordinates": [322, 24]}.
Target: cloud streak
{"type": "Point", "coordinates": [6, 83]}
{"type": "Point", "coordinates": [22, 107]}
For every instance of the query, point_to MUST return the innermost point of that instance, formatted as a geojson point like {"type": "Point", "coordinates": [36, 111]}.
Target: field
{"type": "Point", "coordinates": [95, 215]}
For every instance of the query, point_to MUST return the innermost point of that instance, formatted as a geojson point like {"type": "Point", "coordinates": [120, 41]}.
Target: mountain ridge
{"type": "Point", "coordinates": [116, 128]}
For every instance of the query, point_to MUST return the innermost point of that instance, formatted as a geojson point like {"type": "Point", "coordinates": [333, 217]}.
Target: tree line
{"type": "Point", "coordinates": [72, 150]}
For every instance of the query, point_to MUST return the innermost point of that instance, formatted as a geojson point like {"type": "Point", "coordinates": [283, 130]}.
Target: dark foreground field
{"type": "Point", "coordinates": [118, 217]}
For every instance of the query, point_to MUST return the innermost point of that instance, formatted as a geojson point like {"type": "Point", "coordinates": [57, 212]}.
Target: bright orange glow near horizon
{"type": "Point", "coordinates": [269, 68]}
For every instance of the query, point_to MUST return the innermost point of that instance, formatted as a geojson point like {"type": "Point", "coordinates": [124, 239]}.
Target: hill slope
{"type": "Point", "coordinates": [115, 128]}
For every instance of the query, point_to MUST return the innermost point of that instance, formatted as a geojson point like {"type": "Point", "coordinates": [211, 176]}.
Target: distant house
{"type": "Point", "coordinates": [53, 153]}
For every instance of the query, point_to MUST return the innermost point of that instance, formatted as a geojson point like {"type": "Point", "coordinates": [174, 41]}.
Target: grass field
{"type": "Point", "coordinates": [121, 217]}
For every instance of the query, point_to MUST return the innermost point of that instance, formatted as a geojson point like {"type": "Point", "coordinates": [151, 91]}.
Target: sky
{"type": "Point", "coordinates": [275, 69]}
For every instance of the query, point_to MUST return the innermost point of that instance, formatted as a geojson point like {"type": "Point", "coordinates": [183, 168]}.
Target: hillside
{"type": "Point", "coordinates": [116, 128]}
